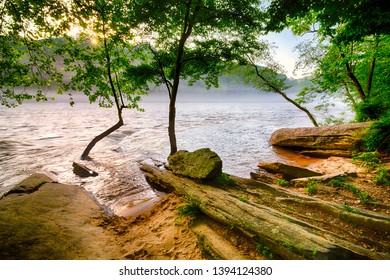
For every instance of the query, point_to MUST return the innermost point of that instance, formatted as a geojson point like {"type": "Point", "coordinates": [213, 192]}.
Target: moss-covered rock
{"type": "Point", "coordinates": [200, 164]}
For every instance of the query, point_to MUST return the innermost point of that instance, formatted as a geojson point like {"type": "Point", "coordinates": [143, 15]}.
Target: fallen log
{"type": "Point", "coordinates": [266, 213]}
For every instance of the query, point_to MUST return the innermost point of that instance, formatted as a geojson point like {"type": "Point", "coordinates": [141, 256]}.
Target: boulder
{"type": "Point", "coordinates": [288, 172]}
{"type": "Point", "coordinates": [335, 139]}
{"type": "Point", "coordinates": [200, 164]}
{"type": "Point", "coordinates": [83, 171]}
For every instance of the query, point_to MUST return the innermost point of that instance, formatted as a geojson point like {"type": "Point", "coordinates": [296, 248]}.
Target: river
{"type": "Point", "coordinates": [48, 137]}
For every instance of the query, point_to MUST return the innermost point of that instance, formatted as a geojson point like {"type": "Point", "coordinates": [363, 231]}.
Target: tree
{"type": "Point", "coordinates": [101, 59]}
{"type": "Point", "coordinates": [359, 18]}
{"type": "Point", "coordinates": [35, 41]}
{"type": "Point", "coordinates": [26, 44]}
{"type": "Point", "coordinates": [190, 38]}
{"type": "Point", "coordinates": [353, 43]}
{"type": "Point", "coordinates": [267, 77]}
{"type": "Point", "coordinates": [356, 72]}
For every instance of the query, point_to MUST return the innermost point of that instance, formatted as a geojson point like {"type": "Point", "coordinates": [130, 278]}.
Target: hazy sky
{"type": "Point", "coordinates": [285, 54]}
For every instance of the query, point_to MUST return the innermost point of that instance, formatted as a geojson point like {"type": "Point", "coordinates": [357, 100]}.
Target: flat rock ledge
{"type": "Point", "coordinates": [323, 141]}
{"type": "Point", "coordinates": [44, 220]}
{"type": "Point", "coordinates": [287, 171]}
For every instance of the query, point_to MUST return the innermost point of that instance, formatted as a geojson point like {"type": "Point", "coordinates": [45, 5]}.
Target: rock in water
{"type": "Point", "coordinates": [200, 164]}
{"type": "Point", "coordinates": [83, 171]}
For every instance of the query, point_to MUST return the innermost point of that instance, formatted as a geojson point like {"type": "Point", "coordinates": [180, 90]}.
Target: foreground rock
{"type": "Point", "coordinates": [324, 141]}
{"type": "Point", "coordinates": [278, 219]}
{"type": "Point", "coordinates": [200, 164]}
{"type": "Point", "coordinates": [44, 220]}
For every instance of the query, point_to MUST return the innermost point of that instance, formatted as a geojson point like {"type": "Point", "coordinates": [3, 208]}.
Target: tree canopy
{"type": "Point", "coordinates": [358, 19]}
{"type": "Point", "coordinates": [27, 29]}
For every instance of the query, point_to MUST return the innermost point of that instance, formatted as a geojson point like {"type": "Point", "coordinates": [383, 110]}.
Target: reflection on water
{"type": "Point", "coordinates": [49, 137]}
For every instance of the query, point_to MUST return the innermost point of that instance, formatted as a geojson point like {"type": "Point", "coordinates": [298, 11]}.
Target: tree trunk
{"type": "Point", "coordinates": [307, 112]}
{"type": "Point", "coordinates": [292, 225]}
{"type": "Point", "coordinates": [348, 93]}
{"type": "Point", "coordinates": [277, 90]}
{"type": "Point", "coordinates": [371, 70]}
{"type": "Point", "coordinates": [171, 127]}
{"type": "Point", "coordinates": [186, 33]}
{"type": "Point", "coordinates": [118, 97]}
{"type": "Point", "coordinates": [354, 80]}
{"type": "Point", "coordinates": [85, 154]}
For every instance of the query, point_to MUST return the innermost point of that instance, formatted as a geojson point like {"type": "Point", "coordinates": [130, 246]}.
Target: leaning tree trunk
{"type": "Point", "coordinates": [276, 217]}
{"type": "Point", "coordinates": [94, 141]}
{"type": "Point", "coordinates": [118, 97]}
{"type": "Point", "coordinates": [277, 90]}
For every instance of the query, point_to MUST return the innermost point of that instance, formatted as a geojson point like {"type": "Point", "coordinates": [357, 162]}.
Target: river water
{"type": "Point", "coordinates": [48, 137]}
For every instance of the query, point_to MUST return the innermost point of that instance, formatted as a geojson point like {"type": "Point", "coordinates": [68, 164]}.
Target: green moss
{"type": "Point", "coordinates": [191, 210]}
{"type": "Point", "coordinates": [283, 183]}
{"type": "Point", "coordinates": [349, 209]}
{"type": "Point", "coordinates": [243, 199]}
{"type": "Point", "coordinates": [311, 187]}
{"type": "Point", "coordinates": [382, 176]}
{"type": "Point", "coordinates": [341, 182]}
{"type": "Point", "coordinates": [264, 250]}
{"type": "Point", "coordinates": [223, 181]}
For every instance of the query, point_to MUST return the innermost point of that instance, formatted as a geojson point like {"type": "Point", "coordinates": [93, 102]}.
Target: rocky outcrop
{"type": "Point", "coordinates": [52, 221]}
{"type": "Point", "coordinates": [325, 141]}
{"type": "Point", "coordinates": [287, 171]}
{"type": "Point", "coordinates": [200, 164]}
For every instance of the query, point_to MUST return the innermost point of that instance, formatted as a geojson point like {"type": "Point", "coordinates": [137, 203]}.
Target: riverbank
{"type": "Point", "coordinates": [44, 219]}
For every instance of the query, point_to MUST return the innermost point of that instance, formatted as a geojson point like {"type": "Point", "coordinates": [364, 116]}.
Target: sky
{"type": "Point", "coordinates": [285, 54]}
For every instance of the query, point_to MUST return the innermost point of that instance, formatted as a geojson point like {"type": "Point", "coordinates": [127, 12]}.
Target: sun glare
{"type": "Point", "coordinates": [94, 41]}
{"type": "Point", "coordinates": [74, 31]}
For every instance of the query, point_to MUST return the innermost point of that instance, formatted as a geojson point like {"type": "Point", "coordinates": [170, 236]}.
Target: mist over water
{"type": "Point", "coordinates": [235, 122]}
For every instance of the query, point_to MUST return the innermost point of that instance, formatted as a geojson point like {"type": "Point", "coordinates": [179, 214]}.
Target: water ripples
{"type": "Point", "coordinates": [49, 137]}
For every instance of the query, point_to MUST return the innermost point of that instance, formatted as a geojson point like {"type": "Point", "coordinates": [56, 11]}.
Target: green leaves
{"type": "Point", "coordinates": [26, 57]}
{"type": "Point", "coordinates": [358, 18]}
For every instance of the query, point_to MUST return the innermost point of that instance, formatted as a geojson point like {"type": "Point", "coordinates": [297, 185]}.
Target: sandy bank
{"type": "Point", "coordinates": [49, 220]}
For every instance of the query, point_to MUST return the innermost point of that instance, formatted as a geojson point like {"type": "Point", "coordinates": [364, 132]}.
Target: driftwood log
{"type": "Point", "coordinates": [292, 225]}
